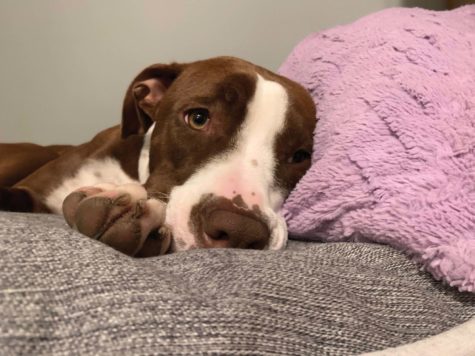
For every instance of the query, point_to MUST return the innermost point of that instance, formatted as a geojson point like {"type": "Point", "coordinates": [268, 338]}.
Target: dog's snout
{"type": "Point", "coordinates": [226, 228]}
{"type": "Point", "coordinates": [225, 225]}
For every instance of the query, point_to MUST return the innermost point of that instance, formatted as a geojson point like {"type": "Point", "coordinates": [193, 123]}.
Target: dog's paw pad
{"type": "Point", "coordinates": [118, 219]}
{"type": "Point", "coordinates": [70, 206]}
{"type": "Point", "coordinates": [94, 214]}
{"type": "Point", "coordinates": [73, 200]}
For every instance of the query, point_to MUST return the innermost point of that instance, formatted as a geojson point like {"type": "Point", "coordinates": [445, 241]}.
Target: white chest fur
{"type": "Point", "coordinates": [92, 172]}
{"type": "Point", "coordinates": [144, 158]}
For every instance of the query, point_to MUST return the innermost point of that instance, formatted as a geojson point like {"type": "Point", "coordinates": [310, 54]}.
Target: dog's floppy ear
{"type": "Point", "coordinates": [143, 94]}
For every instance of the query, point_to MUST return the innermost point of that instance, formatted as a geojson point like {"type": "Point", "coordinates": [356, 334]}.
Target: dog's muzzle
{"type": "Point", "coordinates": [220, 222]}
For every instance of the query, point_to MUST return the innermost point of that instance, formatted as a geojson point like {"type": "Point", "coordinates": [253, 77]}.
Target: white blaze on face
{"type": "Point", "coordinates": [247, 170]}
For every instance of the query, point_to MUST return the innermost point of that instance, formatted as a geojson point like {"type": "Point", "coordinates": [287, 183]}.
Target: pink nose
{"type": "Point", "coordinates": [226, 225]}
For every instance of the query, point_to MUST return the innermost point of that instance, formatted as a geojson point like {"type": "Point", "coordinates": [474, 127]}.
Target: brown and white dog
{"type": "Point", "coordinates": [205, 156]}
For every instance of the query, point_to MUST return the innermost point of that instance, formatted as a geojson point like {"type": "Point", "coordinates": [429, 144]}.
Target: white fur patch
{"type": "Point", "coordinates": [92, 172]}
{"type": "Point", "coordinates": [247, 171]}
{"type": "Point", "coordinates": [144, 159]}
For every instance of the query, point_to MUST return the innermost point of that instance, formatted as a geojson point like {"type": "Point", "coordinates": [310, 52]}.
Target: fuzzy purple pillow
{"type": "Point", "coordinates": [394, 158]}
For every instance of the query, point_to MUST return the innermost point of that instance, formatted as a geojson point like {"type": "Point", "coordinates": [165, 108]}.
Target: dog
{"type": "Point", "coordinates": [204, 157]}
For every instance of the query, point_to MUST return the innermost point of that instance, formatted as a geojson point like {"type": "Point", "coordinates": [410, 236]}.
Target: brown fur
{"type": "Point", "coordinates": [223, 85]}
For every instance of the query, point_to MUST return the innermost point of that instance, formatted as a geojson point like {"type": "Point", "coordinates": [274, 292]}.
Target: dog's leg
{"type": "Point", "coordinates": [20, 200]}
{"type": "Point", "coordinates": [120, 216]}
{"type": "Point", "coordinates": [19, 160]}
{"type": "Point", "coordinates": [12, 199]}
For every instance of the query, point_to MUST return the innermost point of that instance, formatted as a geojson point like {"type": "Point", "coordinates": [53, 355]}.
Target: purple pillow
{"type": "Point", "coordinates": [394, 158]}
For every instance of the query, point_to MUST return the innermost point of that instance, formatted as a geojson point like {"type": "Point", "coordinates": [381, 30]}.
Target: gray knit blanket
{"type": "Point", "coordinates": [62, 293]}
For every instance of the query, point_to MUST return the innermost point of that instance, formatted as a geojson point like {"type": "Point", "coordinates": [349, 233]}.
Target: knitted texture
{"type": "Point", "coordinates": [394, 157]}
{"type": "Point", "coordinates": [65, 294]}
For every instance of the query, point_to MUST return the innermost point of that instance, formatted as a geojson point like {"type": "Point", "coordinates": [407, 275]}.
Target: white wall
{"type": "Point", "coordinates": [65, 64]}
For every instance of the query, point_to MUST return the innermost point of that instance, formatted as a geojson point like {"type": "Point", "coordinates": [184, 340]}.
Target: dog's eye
{"type": "Point", "coordinates": [299, 156]}
{"type": "Point", "coordinates": [197, 118]}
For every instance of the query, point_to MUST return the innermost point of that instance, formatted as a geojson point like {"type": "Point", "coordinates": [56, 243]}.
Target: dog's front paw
{"type": "Point", "coordinates": [121, 217]}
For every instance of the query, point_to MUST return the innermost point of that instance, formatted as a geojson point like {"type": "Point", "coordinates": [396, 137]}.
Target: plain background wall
{"type": "Point", "coordinates": [65, 64]}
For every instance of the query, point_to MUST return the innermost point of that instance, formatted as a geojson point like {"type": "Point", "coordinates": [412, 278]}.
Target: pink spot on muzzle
{"type": "Point", "coordinates": [230, 187]}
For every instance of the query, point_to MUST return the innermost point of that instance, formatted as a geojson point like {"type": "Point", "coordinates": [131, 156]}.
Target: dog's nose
{"type": "Point", "coordinates": [232, 228]}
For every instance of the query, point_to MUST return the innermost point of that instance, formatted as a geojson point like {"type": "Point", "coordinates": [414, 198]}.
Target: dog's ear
{"type": "Point", "coordinates": [143, 94]}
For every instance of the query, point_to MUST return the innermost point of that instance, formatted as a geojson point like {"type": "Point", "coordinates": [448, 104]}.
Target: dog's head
{"type": "Point", "coordinates": [229, 141]}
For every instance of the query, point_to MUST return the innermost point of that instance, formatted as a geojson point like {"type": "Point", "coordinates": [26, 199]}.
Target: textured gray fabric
{"type": "Point", "coordinates": [61, 293]}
